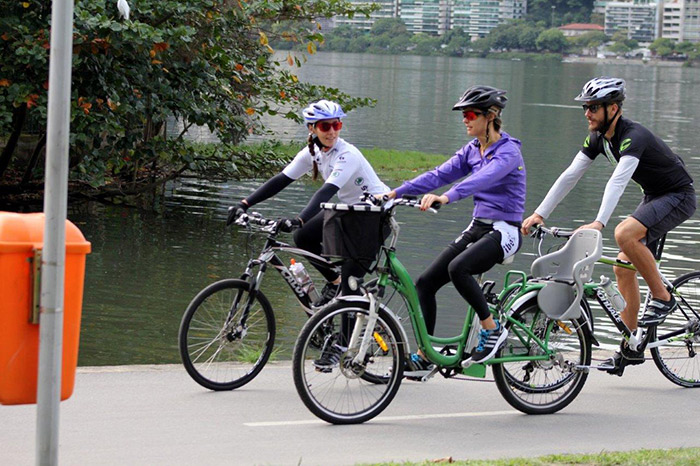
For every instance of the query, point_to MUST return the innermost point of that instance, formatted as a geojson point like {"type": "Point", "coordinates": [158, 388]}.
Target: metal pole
{"type": "Point", "coordinates": [54, 253]}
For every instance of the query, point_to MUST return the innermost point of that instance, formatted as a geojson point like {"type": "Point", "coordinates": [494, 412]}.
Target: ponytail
{"type": "Point", "coordinates": [497, 123]}
{"type": "Point", "coordinates": [312, 150]}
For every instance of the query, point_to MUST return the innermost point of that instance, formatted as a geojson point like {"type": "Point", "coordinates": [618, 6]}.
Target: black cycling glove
{"type": "Point", "coordinates": [235, 211]}
{"type": "Point", "coordinates": [288, 224]}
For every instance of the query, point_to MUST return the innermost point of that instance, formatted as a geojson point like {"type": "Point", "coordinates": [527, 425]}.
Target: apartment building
{"type": "Point", "coordinates": [388, 9]}
{"type": "Point", "coordinates": [476, 17]}
{"type": "Point", "coordinates": [680, 20]}
{"type": "Point", "coordinates": [641, 20]}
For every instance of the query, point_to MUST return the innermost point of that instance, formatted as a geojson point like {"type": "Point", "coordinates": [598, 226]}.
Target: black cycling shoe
{"type": "Point", "coordinates": [614, 365]}
{"type": "Point", "coordinates": [330, 291]}
{"type": "Point", "coordinates": [330, 358]}
{"type": "Point", "coordinates": [656, 312]}
{"type": "Point", "coordinates": [622, 358]}
{"type": "Point", "coordinates": [417, 368]}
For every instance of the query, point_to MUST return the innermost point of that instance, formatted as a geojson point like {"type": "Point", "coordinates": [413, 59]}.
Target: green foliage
{"type": "Point", "coordinates": [264, 159]}
{"type": "Point", "coordinates": [392, 27]}
{"type": "Point", "coordinates": [515, 35]}
{"type": "Point", "coordinates": [675, 456]}
{"type": "Point", "coordinates": [552, 40]}
{"type": "Point", "coordinates": [558, 12]}
{"type": "Point", "coordinates": [662, 46]}
{"type": "Point", "coordinates": [201, 62]}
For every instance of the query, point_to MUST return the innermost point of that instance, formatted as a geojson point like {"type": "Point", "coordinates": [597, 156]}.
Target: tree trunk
{"type": "Point", "coordinates": [19, 116]}
{"type": "Point", "coordinates": [33, 161]}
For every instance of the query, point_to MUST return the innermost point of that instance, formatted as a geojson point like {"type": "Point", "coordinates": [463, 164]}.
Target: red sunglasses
{"type": "Point", "coordinates": [471, 115]}
{"type": "Point", "coordinates": [326, 126]}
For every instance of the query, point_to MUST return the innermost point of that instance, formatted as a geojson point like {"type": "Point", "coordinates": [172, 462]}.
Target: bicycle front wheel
{"type": "Point", "coordinates": [542, 386]}
{"type": "Point", "coordinates": [334, 386]}
{"type": "Point", "coordinates": [225, 338]}
{"type": "Point", "coordinates": [679, 336]}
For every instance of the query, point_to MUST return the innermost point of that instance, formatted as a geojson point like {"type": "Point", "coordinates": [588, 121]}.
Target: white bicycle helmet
{"type": "Point", "coordinates": [322, 110]}
{"type": "Point", "coordinates": [603, 89]}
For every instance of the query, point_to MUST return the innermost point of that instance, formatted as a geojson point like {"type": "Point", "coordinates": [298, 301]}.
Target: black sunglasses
{"type": "Point", "coordinates": [592, 108]}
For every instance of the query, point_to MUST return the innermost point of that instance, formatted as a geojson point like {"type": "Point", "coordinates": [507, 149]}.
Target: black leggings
{"type": "Point", "coordinates": [476, 251]}
{"type": "Point", "coordinates": [310, 238]}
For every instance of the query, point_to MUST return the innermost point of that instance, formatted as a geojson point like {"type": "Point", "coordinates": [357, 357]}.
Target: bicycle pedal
{"type": "Point", "coordinates": [429, 376]}
{"type": "Point", "coordinates": [584, 369]}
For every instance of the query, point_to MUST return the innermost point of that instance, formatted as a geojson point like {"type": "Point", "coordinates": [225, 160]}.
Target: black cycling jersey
{"type": "Point", "coordinates": [659, 171]}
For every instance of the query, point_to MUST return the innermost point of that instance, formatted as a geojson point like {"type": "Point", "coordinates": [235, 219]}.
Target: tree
{"type": "Point", "coordinates": [619, 48]}
{"type": "Point", "coordinates": [552, 40]}
{"type": "Point", "coordinates": [504, 37]}
{"type": "Point", "coordinates": [425, 44]}
{"type": "Point", "coordinates": [662, 47]}
{"type": "Point", "coordinates": [527, 37]}
{"type": "Point", "coordinates": [391, 26]}
{"type": "Point", "coordinates": [203, 62]}
{"type": "Point", "coordinates": [561, 11]}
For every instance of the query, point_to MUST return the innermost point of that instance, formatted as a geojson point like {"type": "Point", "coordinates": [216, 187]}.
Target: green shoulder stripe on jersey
{"type": "Point", "coordinates": [587, 142]}
{"type": "Point", "coordinates": [625, 144]}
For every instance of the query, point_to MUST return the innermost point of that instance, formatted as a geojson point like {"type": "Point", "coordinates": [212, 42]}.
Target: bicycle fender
{"type": "Point", "coordinates": [522, 300]}
{"type": "Point", "coordinates": [586, 315]}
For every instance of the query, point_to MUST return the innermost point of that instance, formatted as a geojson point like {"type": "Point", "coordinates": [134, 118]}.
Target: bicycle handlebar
{"type": "Point", "coordinates": [255, 218]}
{"type": "Point", "coordinates": [541, 231]}
{"type": "Point", "coordinates": [408, 200]}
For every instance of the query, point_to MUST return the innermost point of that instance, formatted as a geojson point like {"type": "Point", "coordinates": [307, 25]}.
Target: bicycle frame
{"type": "Point", "coordinates": [594, 290]}
{"type": "Point", "coordinates": [638, 338]}
{"type": "Point", "coordinates": [394, 274]}
{"type": "Point", "coordinates": [269, 256]}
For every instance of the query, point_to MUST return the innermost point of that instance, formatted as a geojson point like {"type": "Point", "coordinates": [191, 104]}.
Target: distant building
{"type": "Point", "coordinates": [680, 20]}
{"type": "Point", "coordinates": [425, 16]}
{"type": "Point", "coordinates": [577, 29]}
{"type": "Point", "coordinates": [475, 17]}
{"type": "Point", "coordinates": [388, 9]}
{"type": "Point", "coordinates": [478, 17]}
{"type": "Point", "coordinates": [640, 19]}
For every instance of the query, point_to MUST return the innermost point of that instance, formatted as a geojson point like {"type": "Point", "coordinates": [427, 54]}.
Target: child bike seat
{"type": "Point", "coordinates": [565, 272]}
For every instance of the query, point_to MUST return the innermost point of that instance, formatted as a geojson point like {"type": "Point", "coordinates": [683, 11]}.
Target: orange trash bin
{"type": "Point", "coordinates": [21, 241]}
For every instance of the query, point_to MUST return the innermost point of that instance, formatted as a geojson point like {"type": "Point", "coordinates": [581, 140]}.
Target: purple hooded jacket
{"type": "Point", "coordinates": [497, 181]}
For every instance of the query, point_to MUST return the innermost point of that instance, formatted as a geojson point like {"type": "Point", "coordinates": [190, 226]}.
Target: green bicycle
{"type": "Point", "coordinates": [361, 335]}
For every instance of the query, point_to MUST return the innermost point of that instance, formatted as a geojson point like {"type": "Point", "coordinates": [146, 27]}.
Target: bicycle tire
{"type": "Point", "coordinates": [212, 350]}
{"type": "Point", "coordinates": [678, 361]}
{"type": "Point", "coordinates": [542, 387]}
{"type": "Point", "coordinates": [343, 393]}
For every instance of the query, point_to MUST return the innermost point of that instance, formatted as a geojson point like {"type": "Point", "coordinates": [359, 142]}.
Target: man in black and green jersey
{"type": "Point", "coordinates": [669, 199]}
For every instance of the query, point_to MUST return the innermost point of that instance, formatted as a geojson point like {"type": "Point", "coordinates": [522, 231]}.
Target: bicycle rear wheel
{"type": "Point", "coordinates": [678, 358]}
{"type": "Point", "coordinates": [330, 384]}
{"type": "Point", "coordinates": [218, 351]}
{"type": "Point", "coordinates": [547, 386]}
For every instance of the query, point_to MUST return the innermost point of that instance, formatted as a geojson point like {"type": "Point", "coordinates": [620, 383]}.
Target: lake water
{"type": "Point", "coordinates": [146, 267]}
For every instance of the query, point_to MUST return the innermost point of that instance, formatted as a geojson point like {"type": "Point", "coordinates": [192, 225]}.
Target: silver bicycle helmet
{"type": "Point", "coordinates": [482, 97]}
{"type": "Point", "coordinates": [603, 89]}
{"type": "Point", "coordinates": [322, 110]}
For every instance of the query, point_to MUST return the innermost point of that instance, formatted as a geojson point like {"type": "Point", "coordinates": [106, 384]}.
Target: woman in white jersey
{"type": "Point", "coordinates": [343, 167]}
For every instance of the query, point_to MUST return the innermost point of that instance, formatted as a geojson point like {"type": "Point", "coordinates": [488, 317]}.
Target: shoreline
{"type": "Point", "coordinates": [623, 61]}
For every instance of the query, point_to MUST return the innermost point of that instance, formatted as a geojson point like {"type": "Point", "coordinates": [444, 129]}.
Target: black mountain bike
{"type": "Point", "coordinates": [228, 330]}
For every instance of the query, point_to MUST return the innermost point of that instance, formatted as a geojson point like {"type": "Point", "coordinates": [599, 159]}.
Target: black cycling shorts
{"type": "Point", "coordinates": [661, 214]}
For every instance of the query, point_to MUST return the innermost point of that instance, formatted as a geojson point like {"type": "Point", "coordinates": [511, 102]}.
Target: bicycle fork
{"type": "Point", "coordinates": [368, 335]}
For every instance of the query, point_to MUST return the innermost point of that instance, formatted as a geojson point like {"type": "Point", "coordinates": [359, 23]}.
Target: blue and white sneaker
{"type": "Point", "coordinates": [490, 341]}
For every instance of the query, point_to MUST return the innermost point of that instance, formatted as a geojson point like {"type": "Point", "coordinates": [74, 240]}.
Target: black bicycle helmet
{"type": "Point", "coordinates": [603, 90]}
{"type": "Point", "coordinates": [482, 97]}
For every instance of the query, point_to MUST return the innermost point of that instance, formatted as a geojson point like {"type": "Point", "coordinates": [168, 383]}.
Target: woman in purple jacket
{"type": "Point", "coordinates": [495, 177]}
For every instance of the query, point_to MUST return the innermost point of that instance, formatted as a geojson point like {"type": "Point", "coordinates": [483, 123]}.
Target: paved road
{"type": "Point", "coordinates": [156, 415]}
